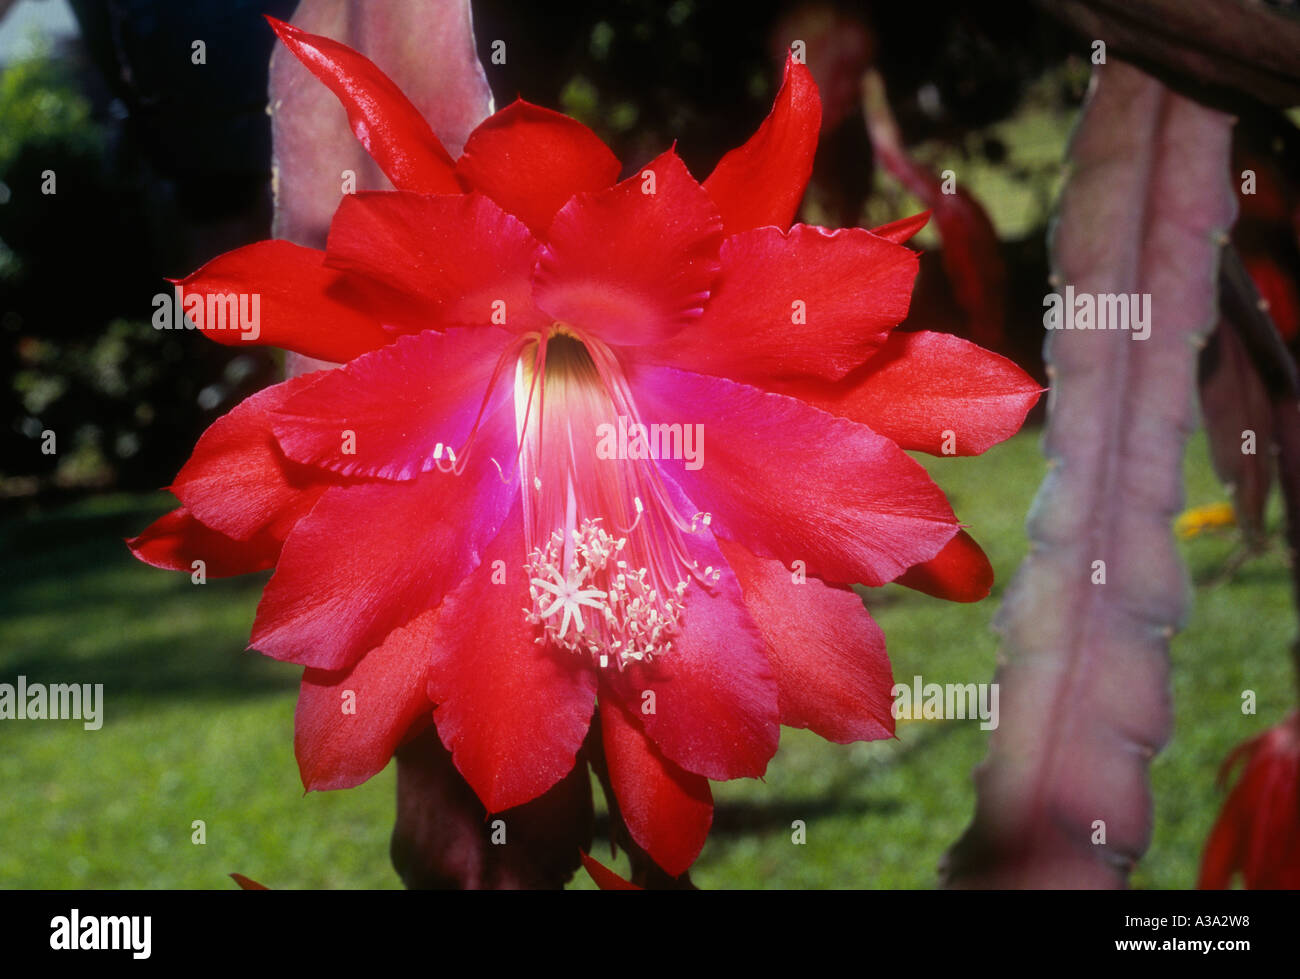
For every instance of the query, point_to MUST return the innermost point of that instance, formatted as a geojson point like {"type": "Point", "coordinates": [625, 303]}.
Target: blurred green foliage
{"type": "Point", "coordinates": [78, 269]}
{"type": "Point", "coordinates": [43, 114]}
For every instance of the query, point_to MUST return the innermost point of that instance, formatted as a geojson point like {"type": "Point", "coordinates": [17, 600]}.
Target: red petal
{"type": "Point", "coordinates": [762, 182]}
{"type": "Point", "coordinates": [902, 230]}
{"type": "Point", "coordinates": [383, 119]}
{"type": "Point", "coordinates": [808, 302]}
{"type": "Point", "coordinates": [1225, 850]}
{"type": "Point", "coordinates": [454, 257]}
{"type": "Point", "coordinates": [972, 259]}
{"type": "Point", "coordinates": [237, 480]}
{"type": "Point", "coordinates": [628, 266]}
{"type": "Point", "coordinates": [512, 712]}
{"type": "Point", "coordinates": [177, 540]}
{"type": "Point", "coordinates": [1277, 288]}
{"type": "Point", "coordinates": [370, 558]}
{"type": "Point", "coordinates": [247, 883]}
{"type": "Point", "coordinates": [959, 573]}
{"type": "Point", "coordinates": [667, 811]}
{"type": "Point", "coordinates": [1270, 792]}
{"type": "Point", "coordinates": [972, 254]}
{"type": "Point", "coordinates": [349, 723]}
{"type": "Point", "coordinates": [919, 386]}
{"type": "Point", "coordinates": [302, 305]}
{"type": "Point", "coordinates": [791, 482]}
{"type": "Point", "coordinates": [1258, 831]}
{"type": "Point", "coordinates": [312, 139]}
{"type": "Point", "coordinates": [399, 405]}
{"type": "Point", "coordinates": [531, 160]}
{"type": "Point", "coordinates": [715, 698]}
{"type": "Point", "coordinates": [605, 878]}
{"type": "Point", "coordinates": [826, 650]}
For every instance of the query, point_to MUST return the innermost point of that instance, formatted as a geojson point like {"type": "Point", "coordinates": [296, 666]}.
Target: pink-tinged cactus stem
{"type": "Point", "coordinates": [1083, 667]}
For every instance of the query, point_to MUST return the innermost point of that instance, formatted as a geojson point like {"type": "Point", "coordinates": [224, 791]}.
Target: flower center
{"type": "Point", "coordinates": [607, 565]}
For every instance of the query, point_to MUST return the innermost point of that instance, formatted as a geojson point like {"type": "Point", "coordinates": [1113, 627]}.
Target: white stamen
{"type": "Point", "coordinates": [633, 621]}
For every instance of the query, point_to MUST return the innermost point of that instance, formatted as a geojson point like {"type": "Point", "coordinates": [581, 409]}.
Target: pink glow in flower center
{"type": "Point", "coordinates": [608, 565]}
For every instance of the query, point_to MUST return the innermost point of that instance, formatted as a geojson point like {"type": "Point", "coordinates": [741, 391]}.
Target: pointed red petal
{"type": "Point", "coordinates": [668, 811]}
{"type": "Point", "coordinates": [175, 541]}
{"type": "Point", "coordinates": [605, 878]}
{"type": "Point", "coordinates": [238, 482]}
{"type": "Point", "coordinates": [715, 701]}
{"type": "Point", "coordinates": [959, 573]}
{"type": "Point", "coordinates": [835, 679]}
{"type": "Point", "coordinates": [348, 724]}
{"type": "Point", "coordinates": [382, 118]}
{"type": "Point", "coordinates": [531, 160]}
{"type": "Point", "coordinates": [1258, 831]}
{"type": "Point", "coordinates": [629, 266]}
{"type": "Point", "coordinates": [512, 712]}
{"type": "Point", "coordinates": [461, 260]}
{"type": "Point", "coordinates": [371, 557]}
{"type": "Point", "coordinates": [301, 305]}
{"type": "Point", "coordinates": [902, 230]}
{"type": "Point", "coordinates": [972, 255]}
{"type": "Point", "coordinates": [794, 483]}
{"type": "Point", "coordinates": [931, 392]}
{"type": "Point", "coordinates": [314, 148]}
{"type": "Point", "coordinates": [762, 182]}
{"type": "Point", "coordinates": [397, 412]}
{"type": "Point", "coordinates": [810, 301]}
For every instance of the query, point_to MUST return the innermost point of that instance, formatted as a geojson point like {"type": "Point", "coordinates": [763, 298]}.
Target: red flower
{"type": "Point", "coordinates": [1258, 831]}
{"type": "Point", "coordinates": [463, 514]}
{"type": "Point", "coordinates": [605, 878]}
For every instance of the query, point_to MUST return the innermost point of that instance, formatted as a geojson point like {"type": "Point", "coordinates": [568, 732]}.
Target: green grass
{"type": "Point", "coordinates": [197, 729]}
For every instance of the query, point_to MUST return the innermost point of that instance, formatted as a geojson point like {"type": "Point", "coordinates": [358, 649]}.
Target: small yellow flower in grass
{"type": "Point", "coordinates": [1203, 519]}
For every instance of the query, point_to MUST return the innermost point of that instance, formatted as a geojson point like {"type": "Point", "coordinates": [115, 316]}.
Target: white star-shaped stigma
{"type": "Point", "coordinates": [570, 596]}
